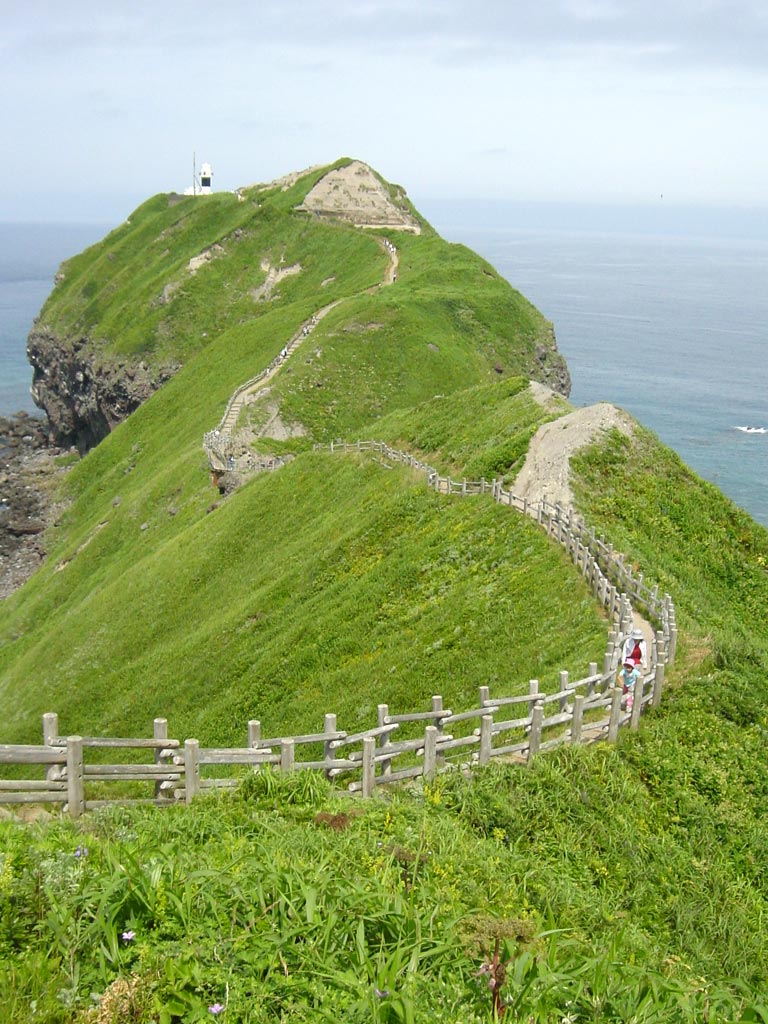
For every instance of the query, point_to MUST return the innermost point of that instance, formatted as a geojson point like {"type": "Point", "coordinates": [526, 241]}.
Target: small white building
{"type": "Point", "coordinates": [201, 183]}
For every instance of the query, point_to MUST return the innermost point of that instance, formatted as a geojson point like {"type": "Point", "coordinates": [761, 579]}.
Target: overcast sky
{"type": "Point", "coordinates": [589, 101]}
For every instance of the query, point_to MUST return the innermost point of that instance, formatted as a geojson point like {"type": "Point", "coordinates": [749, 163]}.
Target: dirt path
{"type": "Point", "coordinates": [545, 475]}
{"type": "Point", "coordinates": [220, 440]}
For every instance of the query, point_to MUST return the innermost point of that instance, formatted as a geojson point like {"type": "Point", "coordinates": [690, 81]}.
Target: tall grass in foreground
{"type": "Point", "coordinates": [283, 903]}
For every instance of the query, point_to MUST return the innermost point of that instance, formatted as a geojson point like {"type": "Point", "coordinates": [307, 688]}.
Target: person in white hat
{"type": "Point", "coordinates": [635, 649]}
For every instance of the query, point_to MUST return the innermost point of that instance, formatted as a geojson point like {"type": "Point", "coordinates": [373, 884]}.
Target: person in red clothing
{"type": "Point", "coordinates": [635, 649]}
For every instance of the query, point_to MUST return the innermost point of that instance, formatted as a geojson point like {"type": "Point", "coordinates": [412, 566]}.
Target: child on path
{"type": "Point", "coordinates": [628, 676]}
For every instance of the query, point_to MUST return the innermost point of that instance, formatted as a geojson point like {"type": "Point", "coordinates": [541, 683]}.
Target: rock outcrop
{"type": "Point", "coordinates": [355, 194]}
{"type": "Point", "coordinates": [551, 368]}
{"type": "Point", "coordinates": [29, 472]}
{"type": "Point", "coordinates": [83, 395]}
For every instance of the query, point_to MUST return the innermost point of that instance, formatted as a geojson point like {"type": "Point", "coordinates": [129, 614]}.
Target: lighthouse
{"type": "Point", "coordinates": [201, 184]}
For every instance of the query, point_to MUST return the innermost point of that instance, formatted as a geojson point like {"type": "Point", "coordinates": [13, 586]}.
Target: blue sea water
{"type": "Point", "coordinates": [30, 255]}
{"type": "Point", "coordinates": [673, 329]}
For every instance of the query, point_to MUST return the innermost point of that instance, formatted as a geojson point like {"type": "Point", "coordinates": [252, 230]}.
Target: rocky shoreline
{"type": "Point", "coordinates": [30, 469]}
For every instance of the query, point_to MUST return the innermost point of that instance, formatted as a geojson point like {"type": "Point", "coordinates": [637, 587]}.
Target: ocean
{"type": "Point", "coordinates": [673, 329]}
{"type": "Point", "coordinates": [30, 255]}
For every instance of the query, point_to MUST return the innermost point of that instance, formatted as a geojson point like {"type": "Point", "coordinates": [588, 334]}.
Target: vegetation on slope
{"type": "Point", "coordinates": [327, 586]}
{"type": "Point", "coordinates": [624, 883]}
{"type": "Point", "coordinates": [134, 295]}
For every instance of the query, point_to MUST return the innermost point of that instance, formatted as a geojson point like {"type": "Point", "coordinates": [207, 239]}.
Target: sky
{"type": "Point", "coordinates": [592, 102]}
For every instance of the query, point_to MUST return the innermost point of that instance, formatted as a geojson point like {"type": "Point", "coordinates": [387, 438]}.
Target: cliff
{"type": "Point", "coordinates": [84, 395]}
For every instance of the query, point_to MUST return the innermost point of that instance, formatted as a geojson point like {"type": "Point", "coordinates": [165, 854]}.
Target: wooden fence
{"type": "Point", "coordinates": [66, 768]}
{"type": "Point", "coordinates": [72, 771]}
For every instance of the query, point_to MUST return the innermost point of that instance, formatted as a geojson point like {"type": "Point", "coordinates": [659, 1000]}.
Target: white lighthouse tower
{"type": "Point", "coordinates": [201, 184]}
{"type": "Point", "coordinates": [205, 179]}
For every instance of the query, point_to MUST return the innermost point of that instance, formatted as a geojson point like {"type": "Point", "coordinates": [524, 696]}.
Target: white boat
{"type": "Point", "coordinates": [753, 430]}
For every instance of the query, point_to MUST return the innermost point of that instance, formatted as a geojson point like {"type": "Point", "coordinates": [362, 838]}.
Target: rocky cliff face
{"type": "Point", "coordinates": [551, 368]}
{"type": "Point", "coordinates": [83, 395]}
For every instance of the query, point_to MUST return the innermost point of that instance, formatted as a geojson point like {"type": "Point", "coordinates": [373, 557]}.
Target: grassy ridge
{"type": "Point", "coordinates": [325, 587]}
{"type": "Point", "coordinates": [133, 296]}
{"type": "Point", "coordinates": [633, 876]}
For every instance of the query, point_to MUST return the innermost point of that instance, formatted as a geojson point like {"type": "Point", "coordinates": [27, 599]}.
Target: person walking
{"type": "Point", "coordinates": [628, 677]}
{"type": "Point", "coordinates": [635, 649]}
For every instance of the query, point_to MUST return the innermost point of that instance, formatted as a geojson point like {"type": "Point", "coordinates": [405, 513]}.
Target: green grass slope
{"type": "Point", "coordinates": [327, 586]}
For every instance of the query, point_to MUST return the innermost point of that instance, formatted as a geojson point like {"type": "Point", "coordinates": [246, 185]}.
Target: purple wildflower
{"type": "Point", "coordinates": [129, 936]}
{"type": "Point", "coordinates": [81, 851]}
{"type": "Point", "coordinates": [216, 1008]}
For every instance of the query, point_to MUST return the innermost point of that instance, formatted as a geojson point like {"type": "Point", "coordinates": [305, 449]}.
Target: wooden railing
{"type": "Point", "coordinates": [399, 747]}
{"type": "Point", "coordinates": [68, 770]}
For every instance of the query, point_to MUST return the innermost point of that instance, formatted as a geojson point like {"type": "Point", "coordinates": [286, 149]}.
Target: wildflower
{"type": "Point", "coordinates": [129, 936]}
{"type": "Point", "coordinates": [216, 1008]}
{"type": "Point", "coordinates": [381, 993]}
{"type": "Point", "coordinates": [81, 851]}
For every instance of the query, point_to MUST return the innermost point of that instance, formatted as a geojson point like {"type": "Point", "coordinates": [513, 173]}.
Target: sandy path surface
{"type": "Point", "coordinates": [545, 475]}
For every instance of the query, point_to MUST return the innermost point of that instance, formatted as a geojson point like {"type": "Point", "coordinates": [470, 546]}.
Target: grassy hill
{"type": "Point", "coordinates": [183, 279]}
{"type": "Point", "coordinates": [620, 883]}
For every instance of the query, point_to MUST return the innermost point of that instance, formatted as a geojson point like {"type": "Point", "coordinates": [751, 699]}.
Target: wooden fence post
{"type": "Point", "coordinates": [485, 695]}
{"type": "Point", "coordinates": [50, 728]}
{"type": "Point", "coordinates": [486, 739]}
{"type": "Point", "coordinates": [658, 684]}
{"type": "Point", "coordinates": [592, 672]}
{"type": "Point", "coordinates": [437, 705]}
{"type": "Point", "coordinates": [329, 727]}
{"type": "Point", "coordinates": [613, 722]}
{"type": "Point", "coordinates": [369, 766]}
{"type": "Point", "coordinates": [287, 756]}
{"type": "Point", "coordinates": [637, 704]}
{"type": "Point", "coordinates": [191, 770]}
{"type": "Point", "coordinates": [160, 732]}
{"type": "Point", "coordinates": [50, 735]}
{"type": "Point", "coordinates": [75, 781]}
{"type": "Point", "coordinates": [608, 661]}
{"type": "Point", "coordinates": [382, 711]}
{"type": "Point", "coordinates": [563, 702]}
{"type": "Point", "coordinates": [534, 738]}
{"type": "Point", "coordinates": [254, 736]}
{"type": "Point", "coordinates": [672, 645]}
{"type": "Point", "coordinates": [254, 732]}
{"type": "Point", "coordinates": [430, 751]}
{"type": "Point", "coordinates": [578, 718]}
